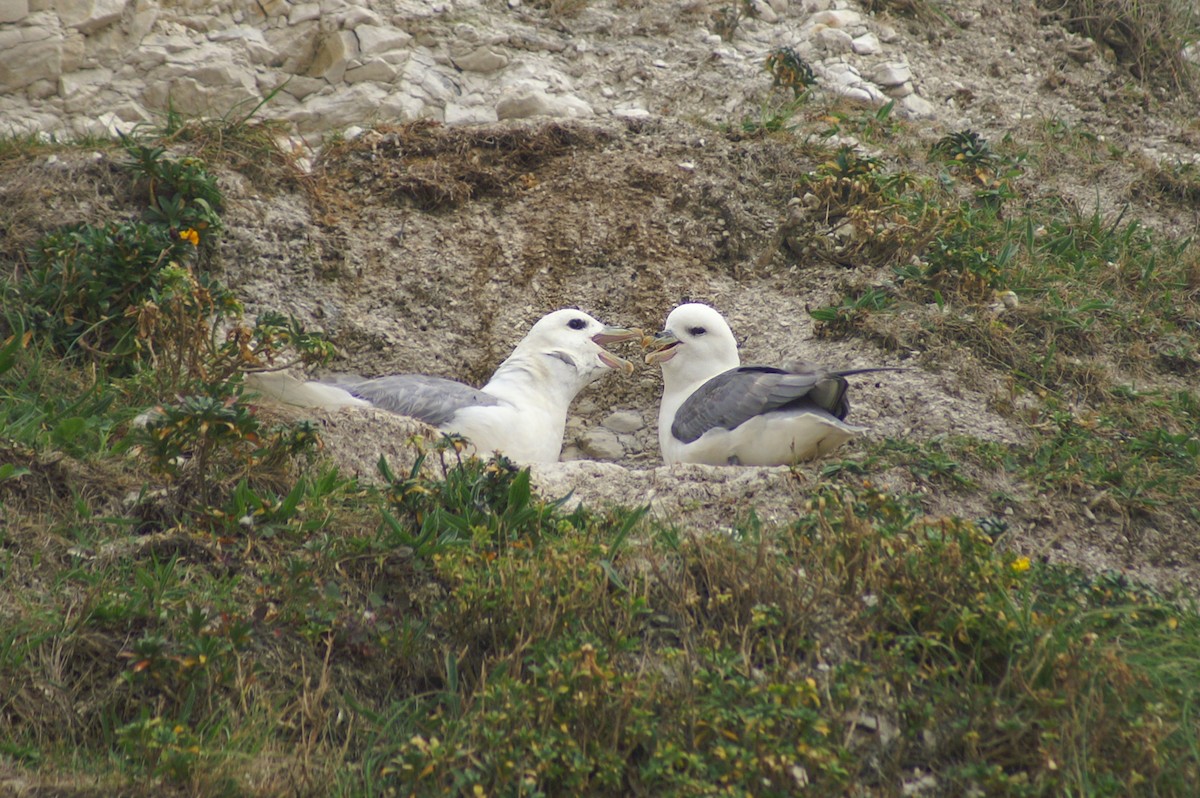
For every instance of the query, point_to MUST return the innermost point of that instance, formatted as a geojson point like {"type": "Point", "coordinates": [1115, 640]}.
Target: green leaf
{"type": "Point", "coordinates": [519, 492]}
{"type": "Point", "coordinates": [10, 471]}
{"type": "Point", "coordinates": [68, 430]}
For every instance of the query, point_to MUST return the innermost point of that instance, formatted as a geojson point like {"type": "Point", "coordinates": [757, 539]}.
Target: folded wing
{"type": "Point", "coordinates": [434, 400]}
{"type": "Point", "coordinates": [734, 397]}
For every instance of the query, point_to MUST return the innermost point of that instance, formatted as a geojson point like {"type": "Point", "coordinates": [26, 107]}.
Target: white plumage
{"type": "Point", "coordinates": [521, 411]}
{"type": "Point", "coordinates": [716, 411]}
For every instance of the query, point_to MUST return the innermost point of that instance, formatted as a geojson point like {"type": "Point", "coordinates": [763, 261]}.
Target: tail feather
{"type": "Point", "coordinates": [285, 388]}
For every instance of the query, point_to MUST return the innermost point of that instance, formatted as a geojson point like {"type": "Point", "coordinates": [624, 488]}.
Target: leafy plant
{"type": "Point", "coordinates": [837, 320]}
{"type": "Point", "coordinates": [790, 71]}
{"type": "Point", "coordinates": [83, 280]}
{"type": "Point", "coordinates": [183, 196]}
{"type": "Point", "coordinates": [196, 430]}
{"type": "Point", "coordinates": [488, 502]}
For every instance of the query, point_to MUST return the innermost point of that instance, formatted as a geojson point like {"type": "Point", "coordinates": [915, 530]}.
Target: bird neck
{"type": "Point", "coordinates": [681, 379]}
{"type": "Point", "coordinates": [527, 381]}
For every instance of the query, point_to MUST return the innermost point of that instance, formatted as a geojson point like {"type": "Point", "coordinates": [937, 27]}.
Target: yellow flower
{"type": "Point", "coordinates": [191, 236]}
{"type": "Point", "coordinates": [1020, 564]}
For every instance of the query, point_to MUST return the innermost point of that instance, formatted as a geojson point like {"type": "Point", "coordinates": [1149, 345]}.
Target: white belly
{"type": "Point", "coordinates": [522, 436]}
{"type": "Point", "coordinates": [771, 439]}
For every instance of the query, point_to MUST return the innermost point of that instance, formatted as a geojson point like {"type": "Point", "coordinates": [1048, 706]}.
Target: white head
{"type": "Point", "coordinates": [564, 348]}
{"type": "Point", "coordinates": [695, 345]}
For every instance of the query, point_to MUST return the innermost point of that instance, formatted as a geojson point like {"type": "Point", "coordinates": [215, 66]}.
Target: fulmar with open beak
{"type": "Point", "coordinates": [520, 412]}
{"type": "Point", "coordinates": [716, 411]}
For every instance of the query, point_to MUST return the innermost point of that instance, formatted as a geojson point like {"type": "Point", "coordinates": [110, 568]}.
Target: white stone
{"type": "Point", "coordinates": [303, 12]}
{"type": "Point", "coordinates": [141, 24]}
{"type": "Point", "coordinates": [193, 97]}
{"type": "Point", "coordinates": [72, 84]}
{"type": "Point", "coordinates": [763, 10]}
{"type": "Point", "coordinates": [107, 125]}
{"type": "Point", "coordinates": [780, 6]}
{"type": "Point", "coordinates": [251, 39]}
{"type": "Point", "coordinates": [337, 109]}
{"type": "Point", "coordinates": [376, 69]}
{"type": "Point", "coordinates": [840, 18]}
{"type": "Point", "coordinates": [601, 444]}
{"type": "Point", "coordinates": [917, 107]}
{"type": "Point", "coordinates": [299, 86]}
{"type": "Point", "coordinates": [376, 39]}
{"type": "Point", "coordinates": [520, 105]}
{"type": "Point", "coordinates": [356, 17]}
{"type": "Point", "coordinates": [867, 44]}
{"type": "Point", "coordinates": [897, 92]}
{"type": "Point", "coordinates": [891, 74]}
{"type": "Point", "coordinates": [40, 90]}
{"type": "Point", "coordinates": [456, 114]}
{"type": "Point", "coordinates": [439, 86]}
{"type": "Point", "coordinates": [482, 59]}
{"type": "Point", "coordinates": [833, 40]}
{"type": "Point", "coordinates": [333, 51]}
{"type": "Point", "coordinates": [858, 94]}
{"type": "Point", "coordinates": [840, 74]}
{"type": "Point", "coordinates": [624, 421]}
{"type": "Point", "coordinates": [13, 10]}
{"type": "Point", "coordinates": [89, 15]}
{"type": "Point", "coordinates": [630, 112]}
{"type": "Point", "coordinates": [887, 34]}
{"type": "Point", "coordinates": [29, 62]}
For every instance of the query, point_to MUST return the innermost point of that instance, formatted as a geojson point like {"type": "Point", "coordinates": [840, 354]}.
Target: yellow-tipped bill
{"type": "Point", "coordinates": [612, 335]}
{"type": "Point", "coordinates": [662, 345]}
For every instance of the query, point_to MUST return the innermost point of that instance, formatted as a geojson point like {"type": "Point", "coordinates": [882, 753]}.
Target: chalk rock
{"type": "Point", "coordinates": [867, 44]}
{"type": "Point", "coordinates": [379, 39]}
{"type": "Point", "coordinates": [833, 40]}
{"type": "Point", "coordinates": [764, 11]}
{"type": "Point", "coordinates": [891, 74]}
{"type": "Point", "coordinates": [28, 55]}
{"type": "Point", "coordinates": [376, 69]}
{"type": "Point", "coordinates": [303, 12]}
{"type": "Point", "coordinates": [79, 89]}
{"type": "Point", "coordinates": [339, 109]}
{"type": "Point", "coordinates": [624, 421]}
{"type": "Point", "coordinates": [914, 106]}
{"type": "Point", "coordinates": [13, 10]}
{"type": "Point", "coordinates": [482, 59]}
{"type": "Point", "coordinates": [839, 18]}
{"type": "Point", "coordinates": [89, 15]}
{"type": "Point", "coordinates": [601, 444]}
{"type": "Point", "coordinates": [334, 49]}
{"type": "Point", "coordinates": [469, 114]}
{"type": "Point", "coordinates": [520, 105]}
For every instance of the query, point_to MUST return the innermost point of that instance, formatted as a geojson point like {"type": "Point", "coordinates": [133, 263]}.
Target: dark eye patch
{"type": "Point", "coordinates": [577, 324]}
{"type": "Point", "coordinates": [696, 331]}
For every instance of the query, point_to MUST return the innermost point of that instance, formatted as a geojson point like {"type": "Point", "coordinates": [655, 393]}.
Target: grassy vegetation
{"type": "Point", "coordinates": [194, 602]}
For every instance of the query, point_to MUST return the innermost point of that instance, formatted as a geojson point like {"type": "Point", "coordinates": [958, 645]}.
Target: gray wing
{"type": "Point", "coordinates": [734, 397]}
{"type": "Point", "coordinates": [433, 400]}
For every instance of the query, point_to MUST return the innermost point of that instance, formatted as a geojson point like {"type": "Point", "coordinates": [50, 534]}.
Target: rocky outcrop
{"type": "Point", "coordinates": [93, 67]}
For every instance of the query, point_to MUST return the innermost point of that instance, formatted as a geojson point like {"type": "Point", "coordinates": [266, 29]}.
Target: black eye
{"type": "Point", "coordinates": [577, 324]}
{"type": "Point", "coordinates": [697, 331]}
